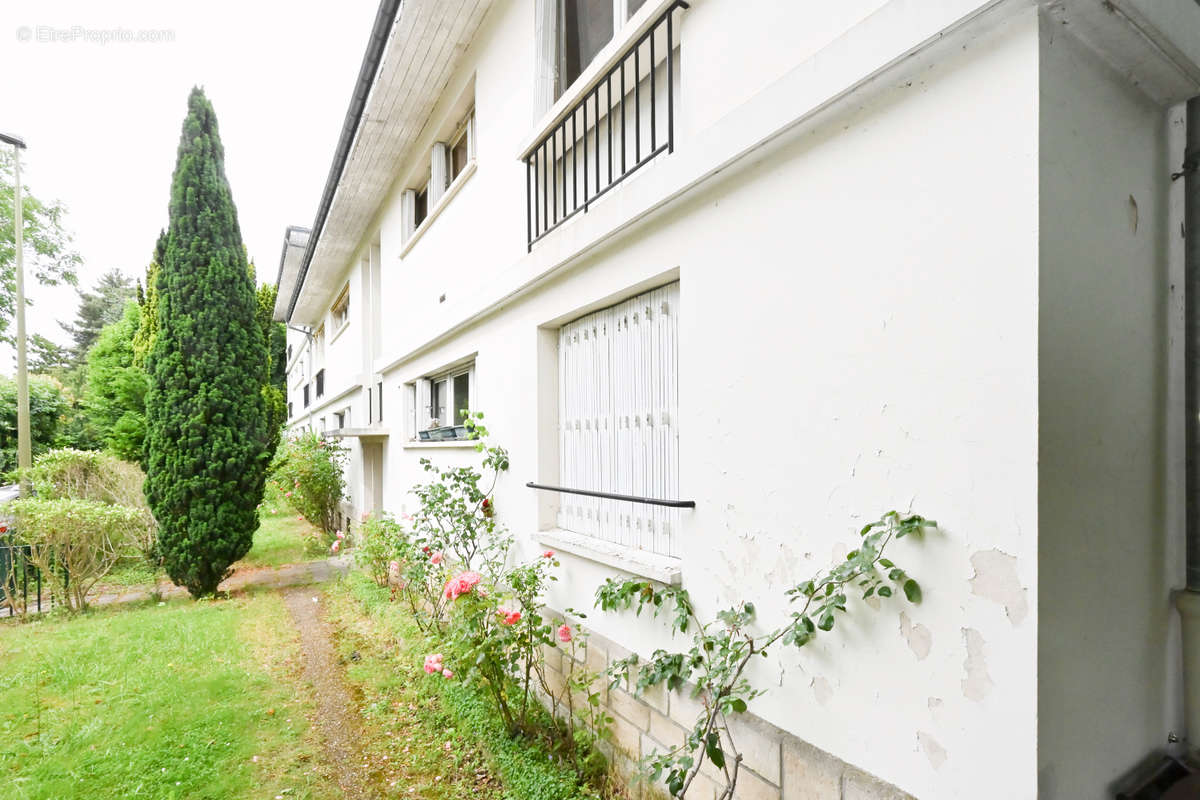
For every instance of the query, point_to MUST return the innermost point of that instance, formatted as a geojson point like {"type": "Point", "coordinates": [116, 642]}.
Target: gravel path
{"type": "Point", "coordinates": [336, 720]}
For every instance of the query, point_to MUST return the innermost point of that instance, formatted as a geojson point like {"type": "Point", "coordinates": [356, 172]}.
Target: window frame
{"type": "Point", "coordinates": [621, 14]}
{"type": "Point", "coordinates": [465, 133]}
{"type": "Point", "coordinates": [425, 388]}
{"type": "Point", "coordinates": [339, 311]}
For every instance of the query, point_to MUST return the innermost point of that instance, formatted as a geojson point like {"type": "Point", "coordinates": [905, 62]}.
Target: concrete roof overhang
{"type": "Point", "coordinates": [427, 41]}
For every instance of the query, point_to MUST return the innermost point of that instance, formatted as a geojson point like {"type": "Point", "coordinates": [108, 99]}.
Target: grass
{"type": "Point", "coordinates": [169, 700]}
{"type": "Point", "coordinates": [281, 538]}
{"type": "Point", "coordinates": [399, 696]}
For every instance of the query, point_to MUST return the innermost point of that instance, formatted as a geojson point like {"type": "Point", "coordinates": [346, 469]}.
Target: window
{"type": "Point", "coordinates": [320, 383]}
{"type": "Point", "coordinates": [379, 393]}
{"type": "Point", "coordinates": [306, 395]}
{"type": "Point", "coordinates": [289, 410]}
{"type": "Point", "coordinates": [421, 206]}
{"type": "Point", "coordinates": [438, 403]}
{"type": "Point", "coordinates": [583, 27]}
{"type": "Point", "coordinates": [342, 418]}
{"type": "Point", "coordinates": [341, 309]}
{"type": "Point", "coordinates": [618, 400]}
{"type": "Point", "coordinates": [461, 149]}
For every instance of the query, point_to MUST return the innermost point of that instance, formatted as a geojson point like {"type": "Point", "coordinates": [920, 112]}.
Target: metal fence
{"type": "Point", "coordinates": [20, 581]}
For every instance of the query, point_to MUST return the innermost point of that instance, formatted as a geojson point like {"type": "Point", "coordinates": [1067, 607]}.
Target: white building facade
{"type": "Point", "coordinates": [799, 263]}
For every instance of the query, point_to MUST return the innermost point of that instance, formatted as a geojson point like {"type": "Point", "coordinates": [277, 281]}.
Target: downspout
{"type": "Point", "coordinates": [1188, 601]}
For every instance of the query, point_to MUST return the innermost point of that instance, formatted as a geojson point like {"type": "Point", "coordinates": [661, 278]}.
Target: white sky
{"type": "Point", "coordinates": [102, 120]}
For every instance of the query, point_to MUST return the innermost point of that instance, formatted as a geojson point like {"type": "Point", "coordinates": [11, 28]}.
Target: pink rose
{"type": "Point", "coordinates": [462, 584]}
{"type": "Point", "coordinates": [511, 616]}
{"type": "Point", "coordinates": [564, 633]}
{"type": "Point", "coordinates": [548, 554]}
{"type": "Point", "coordinates": [433, 663]}
{"type": "Point", "coordinates": [436, 558]}
{"type": "Point", "coordinates": [287, 494]}
{"type": "Point", "coordinates": [447, 674]}
{"type": "Point", "coordinates": [341, 535]}
{"type": "Point", "coordinates": [335, 546]}
{"type": "Point", "coordinates": [394, 566]}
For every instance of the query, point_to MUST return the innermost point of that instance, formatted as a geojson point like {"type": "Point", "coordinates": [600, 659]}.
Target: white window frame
{"type": "Point", "coordinates": [439, 186]}
{"type": "Point", "coordinates": [466, 131]}
{"type": "Point", "coordinates": [419, 396]}
{"type": "Point", "coordinates": [339, 312]}
{"type": "Point", "coordinates": [550, 83]}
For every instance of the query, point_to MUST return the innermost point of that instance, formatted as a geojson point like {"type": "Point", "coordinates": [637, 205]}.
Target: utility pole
{"type": "Point", "coordinates": [24, 455]}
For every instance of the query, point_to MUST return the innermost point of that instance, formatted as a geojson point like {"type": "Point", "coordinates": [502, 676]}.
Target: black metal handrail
{"type": "Point", "coordinates": [628, 498]}
{"type": "Point", "coordinates": [555, 159]}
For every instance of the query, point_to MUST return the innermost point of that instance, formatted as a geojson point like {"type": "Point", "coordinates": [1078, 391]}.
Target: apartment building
{"type": "Point", "coordinates": [788, 265]}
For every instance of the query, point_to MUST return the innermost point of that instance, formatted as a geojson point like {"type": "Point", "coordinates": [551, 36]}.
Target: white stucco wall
{"type": "Point", "coordinates": [840, 356]}
{"type": "Point", "coordinates": [1107, 694]}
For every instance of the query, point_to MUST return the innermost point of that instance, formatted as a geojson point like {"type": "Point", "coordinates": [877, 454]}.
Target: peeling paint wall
{"type": "Point", "coordinates": [1102, 604]}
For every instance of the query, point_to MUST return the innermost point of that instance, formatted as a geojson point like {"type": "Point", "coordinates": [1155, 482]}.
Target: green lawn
{"type": "Point", "coordinates": [175, 700]}
{"type": "Point", "coordinates": [281, 537]}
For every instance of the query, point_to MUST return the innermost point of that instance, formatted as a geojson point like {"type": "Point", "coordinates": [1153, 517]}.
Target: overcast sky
{"type": "Point", "coordinates": [102, 119]}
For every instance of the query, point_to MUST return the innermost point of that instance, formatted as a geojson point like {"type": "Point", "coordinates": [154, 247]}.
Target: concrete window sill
{"type": "Point", "coordinates": [452, 444]}
{"type": "Point", "coordinates": [664, 569]}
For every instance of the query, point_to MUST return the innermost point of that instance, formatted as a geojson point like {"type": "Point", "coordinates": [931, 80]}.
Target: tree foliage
{"type": "Point", "coordinates": [48, 405]}
{"type": "Point", "coordinates": [116, 388]}
{"type": "Point", "coordinates": [275, 337]}
{"type": "Point", "coordinates": [103, 305]}
{"type": "Point", "coordinates": [49, 255]}
{"type": "Point", "coordinates": [207, 437]}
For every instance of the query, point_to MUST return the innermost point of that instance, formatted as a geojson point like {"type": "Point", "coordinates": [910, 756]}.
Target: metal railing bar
{"type": "Point", "coordinates": [628, 498]}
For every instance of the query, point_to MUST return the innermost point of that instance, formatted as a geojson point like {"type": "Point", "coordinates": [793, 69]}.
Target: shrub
{"type": "Point", "coordinates": [68, 474]}
{"type": "Point", "coordinates": [309, 469]}
{"type": "Point", "coordinates": [379, 545]}
{"type": "Point", "coordinates": [74, 543]}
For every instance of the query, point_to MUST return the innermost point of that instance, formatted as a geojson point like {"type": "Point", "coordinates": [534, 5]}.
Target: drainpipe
{"type": "Point", "coordinates": [1188, 601]}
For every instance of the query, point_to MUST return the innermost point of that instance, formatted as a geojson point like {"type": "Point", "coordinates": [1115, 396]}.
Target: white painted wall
{"type": "Point", "coordinates": [840, 356]}
{"type": "Point", "coordinates": [1104, 611]}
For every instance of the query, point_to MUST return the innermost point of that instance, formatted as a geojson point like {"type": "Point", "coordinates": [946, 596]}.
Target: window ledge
{"type": "Point", "coordinates": [452, 444]}
{"type": "Point", "coordinates": [442, 202]}
{"type": "Point", "coordinates": [664, 569]}
{"type": "Point", "coordinates": [610, 54]}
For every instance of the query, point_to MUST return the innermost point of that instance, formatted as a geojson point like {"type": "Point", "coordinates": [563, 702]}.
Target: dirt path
{"type": "Point", "coordinates": [337, 721]}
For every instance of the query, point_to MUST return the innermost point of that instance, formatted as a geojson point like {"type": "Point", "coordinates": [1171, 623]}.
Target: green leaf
{"type": "Point", "coordinates": [912, 590]}
{"type": "Point", "coordinates": [713, 747]}
{"type": "Point", "coordinates": [885, 591]}
{"type": "Point", "coordinates": [738, 705]}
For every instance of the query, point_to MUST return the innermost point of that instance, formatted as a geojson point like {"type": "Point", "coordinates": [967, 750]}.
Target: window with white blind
{"type": "Point", "coordinates": [618, 401]}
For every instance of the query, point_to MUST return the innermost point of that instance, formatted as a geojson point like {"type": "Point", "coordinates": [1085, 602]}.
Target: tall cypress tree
{"type": "Point", "coordinates": [206, 425]}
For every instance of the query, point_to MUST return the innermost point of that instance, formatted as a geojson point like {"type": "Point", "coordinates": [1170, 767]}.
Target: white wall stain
{"type": "Point", "coordinates": [822, 689]}
{"type": "Point", "coordinates": [996, 580]}
{"type": "Point", "coordinates": [977, 684]}
{"type": "Point", "coordinates": [933, 751]}
{"type": "Point", "coordinates": [919, 639]}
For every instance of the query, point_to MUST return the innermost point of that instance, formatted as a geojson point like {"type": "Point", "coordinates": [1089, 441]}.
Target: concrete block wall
{"type": "Point", "coordinates": [775, 764]}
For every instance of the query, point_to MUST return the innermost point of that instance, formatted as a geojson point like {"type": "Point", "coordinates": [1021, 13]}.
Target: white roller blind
{"type": "Point", "coordinates": [618, 401]}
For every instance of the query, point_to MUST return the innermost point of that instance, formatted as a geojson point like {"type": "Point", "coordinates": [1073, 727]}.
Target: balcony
{"type": "Point", "coordinates": [623, 119]}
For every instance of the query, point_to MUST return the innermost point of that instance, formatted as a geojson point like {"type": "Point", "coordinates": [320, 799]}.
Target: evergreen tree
{"type": "Point", "coordinates": [275, 335]}
{"type": "Point", "coordinates": [47, 357]}
{"type": "Point", "coordinates": [206, 432]}
{"type": "Point", "coordinates": [102, 306]}
{"type": "Point", "coordinates": [147, 298]}
{"type": "Point", "coordinates": [116, 390]}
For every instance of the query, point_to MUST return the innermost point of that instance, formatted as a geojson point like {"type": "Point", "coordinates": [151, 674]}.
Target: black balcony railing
{"type": "Point", "coordinates": [620, 123]}
{"type": "Point", "coordinates": [320, 383]}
